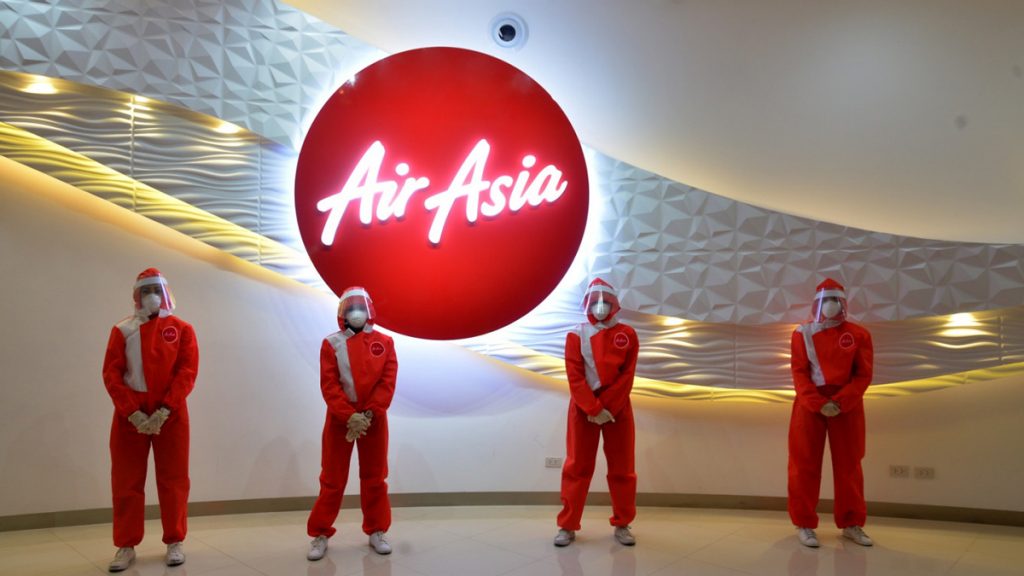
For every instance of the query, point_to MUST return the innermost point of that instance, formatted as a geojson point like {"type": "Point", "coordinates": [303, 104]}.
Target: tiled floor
{"type": "Point", "coordinates": [516, 541]}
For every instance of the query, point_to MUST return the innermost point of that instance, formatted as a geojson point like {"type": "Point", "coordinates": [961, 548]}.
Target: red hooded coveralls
{"type": "Point", "coordinates": [845, 356]}
{"type": "Point", "coordinates": [374, 368]}
{"type": "Point", "coordinates": [615, 351]}
{"type": "Point", "coordinates": [170, 361]}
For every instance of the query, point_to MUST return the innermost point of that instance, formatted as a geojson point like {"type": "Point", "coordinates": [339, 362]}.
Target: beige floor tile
{"type": "Point", "coordinates": [517, 541]}
{"type": "Point", "coordinates": [690, 567]}
{"type": "Point", "coordinates": [464, 557]}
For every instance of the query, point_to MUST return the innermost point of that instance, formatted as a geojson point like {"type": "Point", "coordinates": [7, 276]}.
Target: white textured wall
{"type": "Point", "coordinates": [460, 422]}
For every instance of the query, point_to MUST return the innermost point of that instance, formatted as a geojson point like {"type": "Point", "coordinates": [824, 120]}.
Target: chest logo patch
{"type": "Point", "coordinates": [170, 334]}
{"type": "Point", "coordinates": [846, 341]}
{"type": "Point", "coordinates": [377, 349]}
{"type": "Point", "coordinates": [620, 341]}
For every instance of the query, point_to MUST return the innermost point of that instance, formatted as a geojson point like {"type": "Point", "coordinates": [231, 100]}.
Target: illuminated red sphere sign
{"type": "Point", "coordinates": [449, 184]}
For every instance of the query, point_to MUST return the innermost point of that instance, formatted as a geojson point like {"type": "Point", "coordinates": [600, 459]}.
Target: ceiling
{"type": "Point", "coordinates": [903, 117]}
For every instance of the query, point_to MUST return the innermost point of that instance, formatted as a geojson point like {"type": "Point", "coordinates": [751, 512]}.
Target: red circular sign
{"type": "Point", "coordinates": [449, 184]}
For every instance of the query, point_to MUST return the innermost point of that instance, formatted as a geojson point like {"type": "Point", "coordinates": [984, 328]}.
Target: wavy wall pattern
{"type": "Point", "coordinates": [717, 284]}
{"type": "Point", "coordinates": [757, 357]}
{"type": "Point", "coordinates": [184, 171]}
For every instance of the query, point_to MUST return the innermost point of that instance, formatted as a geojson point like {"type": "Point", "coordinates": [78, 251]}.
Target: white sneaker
{"type": "Point", "coordinates": [564, 537]}
{"type": "Point", "coordinates": [122, 559]}
{"type": "Point", "coordinates": [317, 548]}
{"type": "Point", "coordinates": [175, 555]}
{"type": "Point", "coordinates": [856, 533]}
{"type": "Point", "coordinates": [379, 543]}
{"type": "Point", "coordinates": [624, 536]}
{"type": "Point", "coordinates": [808, 537]}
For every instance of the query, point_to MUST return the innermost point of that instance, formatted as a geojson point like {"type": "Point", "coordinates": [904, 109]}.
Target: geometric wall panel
{"type": "Point", "coordinates": [714, 286]}
{"type": "Point", "coordinates": [259, 64]}
{"type": "Point", "coordinates": [683, 252]}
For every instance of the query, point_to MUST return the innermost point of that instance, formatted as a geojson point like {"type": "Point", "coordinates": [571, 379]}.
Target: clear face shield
{"type": "Point", "coordinates": [153, 296]}
{"type": "Point", "coordinates": [829, 306]}
{"type": "Point", "coordinates": [355, 309]}
{"type": "Point", "coordinates": [600, 303]}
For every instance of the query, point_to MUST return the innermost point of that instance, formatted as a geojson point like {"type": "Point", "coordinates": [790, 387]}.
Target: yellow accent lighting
{"type": "Point", "coordinates": [963, 325]}
{"type": "Point", "coordinates": [227, 128]}
{"type": "Point", "coordinates": [962, 320]}
{"type": "Point", "coordinates": [40, 85]}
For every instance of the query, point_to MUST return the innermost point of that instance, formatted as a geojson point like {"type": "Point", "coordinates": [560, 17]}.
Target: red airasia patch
{"type": "Point", "coordinates": [846, 341]}
{"type": "Point", "coordinates": [170, 334]}
{"type": "Point", "coordinates": [446, 169]}
{"type": "Point", "coordinates": [620, 340]}
{"type": "Point", "coordinates": [377, 349]}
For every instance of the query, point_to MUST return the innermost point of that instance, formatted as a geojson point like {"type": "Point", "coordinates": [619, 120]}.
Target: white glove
{"type": "Point", "coordinates": [156, 421]}
{"type": "Point", "coordinates": [830, 409]}
{"type": "Point", "coordinates": [603, 417]}
{"type": "Point", "coordinates": [358, 424]}
{"type": "Point", "coordinates": [139, 419]}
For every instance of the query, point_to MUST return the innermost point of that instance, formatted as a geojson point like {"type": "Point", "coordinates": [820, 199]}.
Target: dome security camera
{"type": "Point", "coordinates": [509, 31]}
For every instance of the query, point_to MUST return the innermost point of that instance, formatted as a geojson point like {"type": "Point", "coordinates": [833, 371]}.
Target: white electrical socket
{"type": "Point", "coordinates": [924, 473]}
{"type": "Point", "coordinates": [899, 471]}
{"type": "Point", "coordinates": [552, 462]}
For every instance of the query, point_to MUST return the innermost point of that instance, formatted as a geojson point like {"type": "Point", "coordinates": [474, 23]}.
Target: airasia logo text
{"type": "Point", "coordinates": [483, 195]}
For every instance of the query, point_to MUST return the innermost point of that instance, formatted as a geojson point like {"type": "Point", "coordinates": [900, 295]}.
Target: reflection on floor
{"type": "Point", "coordinates": [516, 541]}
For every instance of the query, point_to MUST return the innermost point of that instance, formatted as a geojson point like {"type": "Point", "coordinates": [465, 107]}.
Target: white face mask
{"type": "Point", "coordinates": [356, 318]}
{"type": "Point", "coordinates": [600, 310]}
{"type": "Point", "coordinates": [831, 308]}
{"type": "Point", "coordinates": [151, 303]}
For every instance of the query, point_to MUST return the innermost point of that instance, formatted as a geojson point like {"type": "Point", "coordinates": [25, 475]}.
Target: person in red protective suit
{"type": "Point", "coordinates": [600, 360]}
{"type": "Point", "coordinates": [358, 369]}
{"type": "Point", "coordinates": [832, 361]}
{"type": "Point", "coordinates": [150, 368]}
